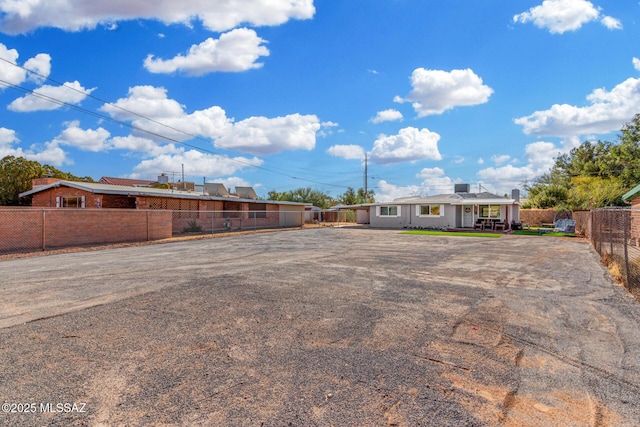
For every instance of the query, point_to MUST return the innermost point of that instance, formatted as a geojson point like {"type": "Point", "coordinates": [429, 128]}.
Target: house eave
{"type": "Point", "coordinates": [119, 190]}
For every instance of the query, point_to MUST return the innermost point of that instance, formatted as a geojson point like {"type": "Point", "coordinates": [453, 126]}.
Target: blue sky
{"type": "Point", "coordinates": [281, 94]}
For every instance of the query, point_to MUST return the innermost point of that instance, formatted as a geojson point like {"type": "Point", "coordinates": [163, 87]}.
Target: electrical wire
{"type": "Point", "coordinates": [138, 128]}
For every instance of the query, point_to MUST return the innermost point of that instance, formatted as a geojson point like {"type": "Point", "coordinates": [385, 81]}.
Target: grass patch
{"type": "Point", "coordinates": [450, 233]}
{"type": "Point", "coordinates": [536, 233]}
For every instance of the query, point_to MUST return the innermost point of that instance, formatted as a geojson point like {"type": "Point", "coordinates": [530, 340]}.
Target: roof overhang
{"type": "Point", "coordinates": [120, 190]}
{"type": "Point", "coordinates": [630, 195]}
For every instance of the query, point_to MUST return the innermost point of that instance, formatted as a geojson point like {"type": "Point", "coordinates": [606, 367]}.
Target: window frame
{"type": "Point", "coordinates": [430, 206]}
{"type": "Point", "coordinates": [387, 208]}
{"type": "Point", "coordinates": [63, 202]}
{"type": "Point", "coordinates": [489, 210]}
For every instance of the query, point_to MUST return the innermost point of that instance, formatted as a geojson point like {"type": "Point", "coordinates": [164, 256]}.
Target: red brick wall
{"type": "Point", "coordinates": [47, 199]}
{"type": "Point", "coordinates": [43, 181]}
{"type": "Point", "coordinates": [23, 229]}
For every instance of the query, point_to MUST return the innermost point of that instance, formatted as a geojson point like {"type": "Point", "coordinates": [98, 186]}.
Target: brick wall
{"type": "Point", "coordinates": [537, 217]}
{"type": "Point", "coordinates": [47, 199]}
{"type": "Point", "coordinates": [25, 230]}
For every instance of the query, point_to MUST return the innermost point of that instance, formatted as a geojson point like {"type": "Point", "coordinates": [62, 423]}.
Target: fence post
{"type": "Point", "coordinates": [44, 231]}
{"type": "Point", "coordinates": [610, 234]}
{"type": "Point", "coordinates": [626, 252]}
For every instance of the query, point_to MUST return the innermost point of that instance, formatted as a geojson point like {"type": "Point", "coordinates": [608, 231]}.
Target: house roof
{"type": "Point", "coordinates": [124, 181]}
{"type": "Point", "coordinates": [455, 199]}
{"type": "Point", "coordinates": [633, 193]}
{"type": "Point", "coordinates": [123, 190]}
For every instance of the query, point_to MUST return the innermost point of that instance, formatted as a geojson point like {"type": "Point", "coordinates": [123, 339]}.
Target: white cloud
{"type": "Point", "coordinates": [262, 135]}
{"type": "Point", "coordinates": [349, 152]}
{"type": "Point", "coordinates": [168, 117]}
{"type": "Point", "coordinates": [500, 159]}
{"type": "Point", "coordinates": [16, 75]}
{"type": "Point", "coordinates": [611, 23]}
{"type": "Point", "coordinates": [40, 65]}
{"type": "Point", "coordinates": [540, 157]}
{"type": "Point", "coordinates": [434, 181]}
{"type": "Point", "coordinates": [50, 153]}
{"type": "Point", "coordinates": [142, 145]}
{"type": "Point", "coordinates": [387, 192]}
{"type": "Point", "coordinates": [389, 115]}
{"type": "Point", "coordinates": [559, 16]}
{"type": "Point", "coordinates": [195, 163]}
{"type": "Point", "coordinates": [10, 73]}
{"type": "Point", "coordinates": [84, 139]}
{"type": "Point", "coordinates": [409, 145]}
{"type": "Point", "coordinates": [51, 97]}
{"type": "Point", "coordinates": [636, 64]}
{"type": "Point", "coordinates": [21, 16]}
{"type": "Point", "coordinates": [436, 91]}
{"type": "Point", "coordinates": [7, 137]}
{"type": "Point", "coordinates": [608, 112]}
{"type": "Point", "coordinates": [237, 50]}
{"type": "Point", "coordinates": [326, 129]}
{"type": "Point", "coordinates": [169, 121]}
{"type": "Point", "coordinates": [232, 182]}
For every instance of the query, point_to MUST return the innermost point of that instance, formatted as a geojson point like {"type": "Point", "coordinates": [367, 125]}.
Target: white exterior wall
{"type": "Point", "coordinates": [362, 216]}
{"type": "Point", "coordinates": [291, 216]}
{"type": "Point", "coordinates": [451, 216]}
{"type": "Point", "coordinates": [408, 217]}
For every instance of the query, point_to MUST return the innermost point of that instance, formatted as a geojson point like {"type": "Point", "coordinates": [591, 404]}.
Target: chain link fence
{"type": "Point", "coordinates": [205, 222]}
{"type": "Point", "coordinates": [615, 235]}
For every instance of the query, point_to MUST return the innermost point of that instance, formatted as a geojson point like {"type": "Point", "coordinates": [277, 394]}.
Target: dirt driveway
{"type": "Point", "coordinates": [332, 326]}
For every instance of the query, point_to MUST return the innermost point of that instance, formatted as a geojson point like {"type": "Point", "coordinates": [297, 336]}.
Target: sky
{"type": "Point", "coordinates": [283, 94]}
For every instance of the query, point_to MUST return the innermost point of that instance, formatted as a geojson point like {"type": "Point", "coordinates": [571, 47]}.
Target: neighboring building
{"type": "Point", "coordinates": [462, 209]}
{"type": "Point", "coordinates": [633, 197]}
{"type": "Point", "coordinates": [125, 182]}
{"type": "Point", "coordinates": [212, 206]}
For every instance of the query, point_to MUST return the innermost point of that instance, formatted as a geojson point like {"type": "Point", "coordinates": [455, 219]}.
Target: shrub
{"type": "Point", "coordinates": [193, 227]}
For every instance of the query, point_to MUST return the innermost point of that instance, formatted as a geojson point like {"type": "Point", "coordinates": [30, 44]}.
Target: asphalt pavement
{"type": "Point", "coordinates": [328, 326]}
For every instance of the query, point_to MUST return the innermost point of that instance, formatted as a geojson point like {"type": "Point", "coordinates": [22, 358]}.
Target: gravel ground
{"type": "Point", "coordinates": [330, 326]}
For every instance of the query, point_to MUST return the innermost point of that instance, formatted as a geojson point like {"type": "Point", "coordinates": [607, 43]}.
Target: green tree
{"type": "Point", "coordinates": [594, 174]}
{"type": "Point", "coordinates": [303, 195]}
{"type": "Point", "coordinates": [351, 197]}
{"type": "Point", "coordinates": [16, 174]}
{"type": "Point", "coordinates": [587, 191]}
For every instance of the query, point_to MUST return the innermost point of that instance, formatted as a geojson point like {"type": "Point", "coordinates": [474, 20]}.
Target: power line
{"type": "Point", "coordinates": [137, 128]}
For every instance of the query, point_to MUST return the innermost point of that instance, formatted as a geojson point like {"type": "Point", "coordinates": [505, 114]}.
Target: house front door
{"type": "Point", "coordinates": [467, 216]}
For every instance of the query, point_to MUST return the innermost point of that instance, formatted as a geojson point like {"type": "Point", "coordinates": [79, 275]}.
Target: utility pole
{"type": "Point", "coordinates": [366, 177]}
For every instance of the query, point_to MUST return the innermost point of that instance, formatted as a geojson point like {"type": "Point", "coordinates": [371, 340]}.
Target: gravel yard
{"type": "Point", "coordinates": [327, 326]}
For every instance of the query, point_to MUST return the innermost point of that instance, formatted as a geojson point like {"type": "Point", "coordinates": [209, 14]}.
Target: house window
{"type": "Point", "coordinates": [430, 210]}
{"type": "Point", "coordinates": [70, 202]}
{"type": "Point", "coordinates": [389, 211]}
{"type": "Point", "coordinates": [258, 210]}
{"type": "Point", "coordinates": [489, 211]}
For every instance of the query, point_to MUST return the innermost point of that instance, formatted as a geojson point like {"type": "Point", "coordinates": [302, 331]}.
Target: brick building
{"type": "Point", "coordinates": [214, 207]}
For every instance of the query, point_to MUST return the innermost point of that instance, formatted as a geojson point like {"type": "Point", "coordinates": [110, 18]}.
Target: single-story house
{"type": "Point", "coordinates": [462, 209]}
{"type": "Point", "coordinates": [213, 205]}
